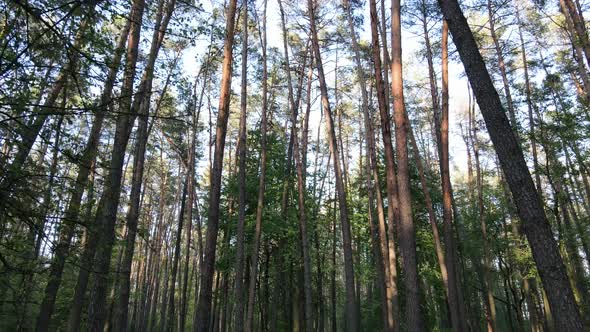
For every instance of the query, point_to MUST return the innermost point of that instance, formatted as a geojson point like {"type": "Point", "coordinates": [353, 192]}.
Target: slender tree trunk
{"type": "Point", "coordinates": [431, 77]}
{"type": "Point", "coordinates": [502, 67]}
{"type": "Point", "coordinates": [308, 306]}
{"type": "Point", "coordinates": [203, 310]}
{"type": "Point", "coordinates": [157, 250]}
{"type": "Point", "coordinates": [104, 223]}
{"type": "Point", "coordinates": [191, 201]}
{"type": "Point", "coordinates": [339, 122]}
{"type": "Point", "coordinates": [529, 102]}
{"type": "Point", "coordinates": [458, 320]}
{"type": "Point", "coordinates": [490, 307]}
{"type": "Point", "coordinates": [165, 281]}
{"type": "Point", "coordinates": [121, 313]}
{"type": "Point", "coordinates": [392, 185]}
{"type": "Point", "coordinates": [242, 146]}
{"type": "Point", "coordinates": [385, 50]}
{"type": "Point", "coordinates": [304, 238]}
{"type": "Point", "coordinates": [68, 225]}
{"type": "Point", "coordinates": [406, 231]}
{"type": "Point", "coordinates": [373, 186]}
{"type": "Point", "coordinates": [261, 183]}
{"type": "Point", "coordinates": [351, 313]}
{"type": "Point", "coordinates": [333, 315]}
{"type": "Point", "coordinates": [530, 208]}
{"type": "Point", "coordinates": [170, 321]}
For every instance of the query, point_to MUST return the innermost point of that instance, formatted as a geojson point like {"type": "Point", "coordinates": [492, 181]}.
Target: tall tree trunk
{"type": "Point", "coordinates": [530, 208]}
{"type": "Point", "coordinates": [203, 310]}
{"type": "Point", "coordinates": [196, 113]}
{"type": "Point", "coordinates": [308, 306]}
{"type": "Point", "coordinates": [373, 186]}
{"type": "Point", "coordinates": [529, 102]}
{"type": "Point", "coordinates": [452, 252]}
{"type": "Point", "coordinates": [170, 320]}
{"type": "Point", "coordinates": [458, 320]}
{"type": "Point", "coordinates": [242, 146]}
{"type": "Point", "coordinates": [304, 238]}
{"type": "Point", "coordinates": [333, 299]}
{"type": "Point", "coordinates": [490, 307]}
{"type": "Point", "coordinates": [392, 184]}
{"type": "Point", "coordinates": [339, 122]}
{"type": "Point", "coordinates": [529, 282]}
{"type": "Point", "coordinates": [261, 183]}
{"type": "Point", "coordinates": [104, 223]}
{"type": "Point", "coordinates": [106, 218]}
{"type": "Point", "coordinates": [157, 250]}
{"type": "Point", "coordinates": [406, 231]}
{"type": "Point", "coordinates": [121, 308]}
{"type": "Point", "coordinates": [351, 313]}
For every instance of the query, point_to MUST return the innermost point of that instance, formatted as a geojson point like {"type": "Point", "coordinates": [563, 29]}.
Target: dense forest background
{"type": "Point", "coordinates": [278, 165]}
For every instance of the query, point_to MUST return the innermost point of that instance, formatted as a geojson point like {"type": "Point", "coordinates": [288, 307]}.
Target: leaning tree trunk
{"type": "Point", "coordinates": [203, 310]}
{"type": "Point", "coordinates": [581, 32]}
{"type": "Point", "coordinates": [106, 217]}
{"type": "Point", "coordinates": [104, 222]}
{"type": "Point", "coordinates": [121, 308]}
{"type": "Point", "coordinates": [530, 208]}
{"type": "Point", "coordinates": [352, 319]}
{"type": "Point", "coordinates": [389, 314]}
{"type": "Point", "coordinates": [67, 228]}
{"type": "Point", "coordinates": [577, 48]}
